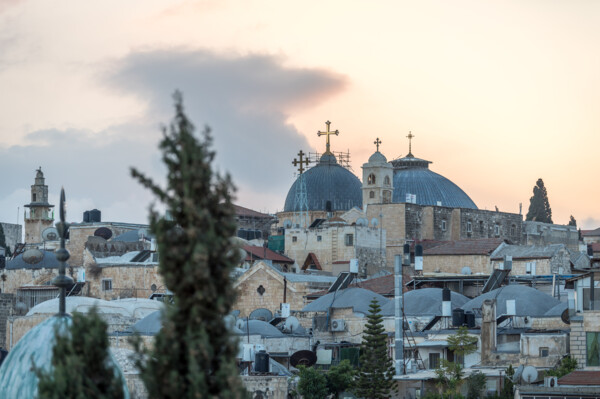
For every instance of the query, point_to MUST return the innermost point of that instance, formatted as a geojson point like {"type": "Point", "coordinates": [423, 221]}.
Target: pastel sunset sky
{"type": "Point", "coordinates": [497, 94]}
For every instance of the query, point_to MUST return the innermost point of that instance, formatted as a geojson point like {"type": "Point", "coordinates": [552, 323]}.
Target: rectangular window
{"type": "Point", "coordinates": [544, 351]}
{"type": "Point", "coordinates": [592, 349]}
{"type": "Point", "coordinates": [469, 227]}
{"type": "Point", "coordinates": [106, 284]}
{"type": "Point", "coordinates": [443, 225]}
{"type": "Point", "coordinates": [34, 197]}
{"type": "Point", "coordinates": [481, 226]}
{"type": "Point", "coordinates": [497, 230]}
{"type": "Point", "coordinates": [319, 238]}
{"type": "Point", "coordinates": [434, 360]}
{"type": "Point", "coordinates": [349, 240]}
{"type": "Point", "coordinates": [530, 268]}
{"type": "Point", "coordinates": [294, 238]}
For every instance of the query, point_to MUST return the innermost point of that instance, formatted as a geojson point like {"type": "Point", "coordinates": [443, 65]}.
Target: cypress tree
{"type": "Point", "coordinates": [539, 206]}
{"type": "Point", "coordinates": [194, 353]}
{"type": "Point", "coordinates": [81, 364]}
{"type": "Point", "coordinates": [376, 372]}
{"type": "Point", "coordinates": [572, 221]}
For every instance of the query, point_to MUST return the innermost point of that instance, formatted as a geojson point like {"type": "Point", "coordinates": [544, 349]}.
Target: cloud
{"type": "Point", "coordinates": [590, 223]}
{"type": "Point", "coordinates": [246, 101]}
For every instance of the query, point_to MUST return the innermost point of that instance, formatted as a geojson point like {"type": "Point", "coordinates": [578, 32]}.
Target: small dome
{"type": "Point", "coordinates": [48, 261]}
{"type": "Point", "coordinates": [327, 182]}
{"type": "Point", "coordinates": [259, 327]}
{"type": "Point", "coordinates": [412, 176]}
{"type": "Point", "coordinates": [528, 301]}
{"type": "Point", "coordinates": [17, 379]}
{"type": "Point", "coordinates": [359, 299]}
{"type": "Point", "coordinates": [377, 157]}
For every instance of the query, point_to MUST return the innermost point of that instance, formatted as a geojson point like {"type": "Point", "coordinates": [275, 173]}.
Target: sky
{"type": "Point", "coordinates": [497, 95]}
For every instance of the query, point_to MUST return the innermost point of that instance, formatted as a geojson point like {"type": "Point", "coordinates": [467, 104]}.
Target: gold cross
{"type": "Point", "coordinates": [410, 137]}
{"type": "Point", "coordinates": [327, 133]}
{"type": "Point", "coordinates": [377, 142]}
{"type": "Point", "coordinates": [301, 162]}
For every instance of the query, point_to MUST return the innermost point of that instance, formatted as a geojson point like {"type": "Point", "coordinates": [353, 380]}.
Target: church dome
{"type": "Point", "coordinates": [377, 157]}
{"type": "Point", "coordinates": [412, 176]}
{"type": "Point", "coordinates": [327, 182]}
{"type": "Point", "coordinates": [17, 379]}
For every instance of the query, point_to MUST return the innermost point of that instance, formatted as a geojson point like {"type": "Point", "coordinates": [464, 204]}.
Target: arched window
{"type": "Point", "coordinates": [371, 179]}
{"type": "Point", "coordinates": [386, 181]}
{"type": "Point", "coordinates": [371, 194]}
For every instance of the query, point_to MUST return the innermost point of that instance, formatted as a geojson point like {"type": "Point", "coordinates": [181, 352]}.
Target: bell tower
{"type": "Point", "coordinates": [38, 213]}
{"type": "Point", "coordinates": [378, 179]}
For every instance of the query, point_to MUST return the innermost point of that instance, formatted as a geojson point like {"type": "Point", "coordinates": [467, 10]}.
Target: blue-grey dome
{"type": "Point", "coordinates": [412, 176]}
{"type": "Point", "coordinates": [17, 378]}
{"type": "Point", "coordinates": [327, 181]}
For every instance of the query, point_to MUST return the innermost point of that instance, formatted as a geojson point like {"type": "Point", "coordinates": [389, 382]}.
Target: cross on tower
{"type": "Point", "coordinates": [301, 162]}
{"type": "Point", "coordinates": [377, 142]}
{"type": "Point", "coordinates": [410, 137]}
{"type": "Point", "coordinates": [327, 133]}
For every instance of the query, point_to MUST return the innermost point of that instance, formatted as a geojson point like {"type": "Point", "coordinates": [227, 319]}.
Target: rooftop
{"type": "Point", "coordinates": [484, 246]}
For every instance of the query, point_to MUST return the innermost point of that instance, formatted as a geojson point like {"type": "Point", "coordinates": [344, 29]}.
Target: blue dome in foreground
{"type": "Point", "coordinates": [327, 181]}
{"type": "Point", "coordinates": [17, 379]}
{"type": "Point", "coordinates": [412, 176]}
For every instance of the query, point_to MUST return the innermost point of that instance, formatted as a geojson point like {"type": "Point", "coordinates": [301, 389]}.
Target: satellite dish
{"type": "Point", "coordinates": [153, 287]}
{"type": "Point", "coordinates": [518, 373]}
{"type": "Point", "coordinates": [142, 233]}
{"type": "Point", "coordinates": [291, 324]}
{"type": "Point", "coordinates": [50, 234]}
{"type": "Point", "coordinates": [565, 316]}
{"type": "Point", "coordinates": [374, 222]}
{"type": "Point", "coordinates": [261, 314]}
{"type": "Point", "coordinates": [530, 374]}
{"type": "Point", "coordinates": [303, 358]}
{"type": "Point", "coordinates": [20, 308]}
{"type": "Point", "coordinates": [362, 222]}
{"type": "Point", "coordinates": [287, 223]}
{"type": "Point", "coordinates": [103, 232]}
{"type": "Point", "coordinates": [466, 271]}
{"type": "Point", "coordinates": [235, 313]}
{"type": "Point", "coordinates": [33, 256]}
{"type": "Point", "coordinates": [230, 321]}
{"type": "Point", "coordinates": [241, 324]}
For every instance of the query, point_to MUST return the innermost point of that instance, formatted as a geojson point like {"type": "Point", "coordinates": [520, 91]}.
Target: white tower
{"type": "Point", "coordinates": [378, 179]}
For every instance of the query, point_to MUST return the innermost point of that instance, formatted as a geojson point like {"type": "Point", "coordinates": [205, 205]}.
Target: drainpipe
{"type": "Point", "coordinates": [398, 316]}
{"type": "Point", "coordinates": [284, 290]}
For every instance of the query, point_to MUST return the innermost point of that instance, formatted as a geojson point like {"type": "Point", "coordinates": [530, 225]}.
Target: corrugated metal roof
{"type": "Point", "coordinates": [528, 251]}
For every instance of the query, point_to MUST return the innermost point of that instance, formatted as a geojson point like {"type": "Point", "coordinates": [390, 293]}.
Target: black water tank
{"type": "Point", "coordinates": [446, 295]}
{"type": "Point", "coordinates": [3, 354]}
{"type": "Point", "coordinates": [261, 362]}
{"type": "Point", "coordinates": [419, 250]}
{"type": "Point", "coordinates": [470, 319]}
{"type": "Point", "coordinates": [458, 317]}
{"type": "Point", "coordinates": [95, 216]}
{"type": "Point", "coordinates": [86, 217]}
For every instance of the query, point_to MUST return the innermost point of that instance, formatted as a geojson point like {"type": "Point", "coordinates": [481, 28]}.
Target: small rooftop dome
{"type": "Point", "coordinates": [358, 299]}
{"type": "Point", "coordinates": [377, 157]}
{"type": "Point", "coordinates": [528, 301]}
{"type": "Point", "coordinates": [259, 327]}
{"type": "Point", "coordinates": [425, 302]}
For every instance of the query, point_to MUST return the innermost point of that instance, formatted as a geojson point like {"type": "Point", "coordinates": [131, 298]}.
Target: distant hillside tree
{"type": "Point", "coordinates": [539, 206]}
{"type": "Point", "coordinates": [376, 372]}
{"type": "Point", "coordinates": [194, 353]}
{"type": "Point", "coordinates": [572, 221]}
{"type": "Point", "coordinates": [81, 364]}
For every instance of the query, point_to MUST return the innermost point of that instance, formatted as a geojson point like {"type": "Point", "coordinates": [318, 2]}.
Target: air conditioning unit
{"type": "Point", "coordinates": [550, 382]}
{"type": "Point", "coordinates": [338, 325]}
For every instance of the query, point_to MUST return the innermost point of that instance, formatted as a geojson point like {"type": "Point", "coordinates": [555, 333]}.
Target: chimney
{"type": "Point", "coordinates": [488, 329]}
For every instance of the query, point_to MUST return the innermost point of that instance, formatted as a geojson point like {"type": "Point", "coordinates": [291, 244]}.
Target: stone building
{"type": "Point", "coordinates": [534, 260]}
{"type": "Point", "coordinates": [542, 234]}
{"type": "Point", "coordinates": [38, 213]}
{"type": "Point", "coordinates": [455, 256]}
{"type": "Point", "coordinates": [252, 224]}
{"type": "Point", "coordinates": [13, 234]}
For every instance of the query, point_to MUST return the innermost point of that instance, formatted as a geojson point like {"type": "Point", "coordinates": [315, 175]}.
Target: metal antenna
{"type": "Point", "coordinates": [62, 281]}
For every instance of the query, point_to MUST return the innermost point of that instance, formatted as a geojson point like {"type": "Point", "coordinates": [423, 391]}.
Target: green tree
{"type": "Point", "coordinates": [193, 355]}
{"type": "Point", "coordinates": [450, 375]}
{"type": "Point", "coordinates": [340, 378]}
{"type": "Point", "coordinates": [507, 388]}
{"type": "Point", "coordinates": [572, 221]}
{"type": "Point", "coordinates": [565, 366]}
{"type": "Point", "coordinates": [81, 364]}
{"type": "Point", "coordinates": [312, 384]}
{"type": "Point", "coordinates": [539, 206]}
{"type": "Point", "coordinates": [376, 372]}
{"type": "Point", "coordinates": [476, 383]}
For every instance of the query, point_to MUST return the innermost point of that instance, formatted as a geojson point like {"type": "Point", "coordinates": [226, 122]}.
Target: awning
{"type": "Point", "coordinates": [433, 344]}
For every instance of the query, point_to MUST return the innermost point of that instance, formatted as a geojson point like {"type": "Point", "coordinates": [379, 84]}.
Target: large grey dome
{"type": "Point", "coordinates": [327, 182]}
{"type": "Point", "coordinates": [528, 301]}
{"type": "Point", "coordinates": [412, 176]}
{"type": "Point", "coordinates": [425, 302]}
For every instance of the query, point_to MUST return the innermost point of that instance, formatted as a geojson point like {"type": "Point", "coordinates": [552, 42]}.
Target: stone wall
{"type": "Point", "coordinates": [542, 234]}
{"type": "Point", "coordinates": [266, 386]}
{"type": "Point", "coordinates": [128, 280]}
{"type": "Point", "coordinates": [7, 303]}
{"type": "Point", "coordinates": [13, 234]}
{"type": "Point", "coordinates": [479, 264]}
{"type": "Point", "coordinates": [578, 341]}
{"type": "Point", "coordinates": [16, 278]}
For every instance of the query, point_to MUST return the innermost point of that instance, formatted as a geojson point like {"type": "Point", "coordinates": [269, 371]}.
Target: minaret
{"type": "Point", "coordinates": [378, 179]}
{"type": "Point", "coordinates": [38, 214]}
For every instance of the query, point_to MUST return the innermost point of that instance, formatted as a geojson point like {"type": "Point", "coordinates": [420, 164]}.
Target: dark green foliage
{"type": "Point", "coordinates": [312, 384]}
{"type": "Point", "coordinates": [572, 221]}
{"type": "Point", "coordinates": [340, 378]}
{"type": "Point", "coordinates": [462, 343]}
{"type": "Point", "coordinates": [375, 376]}
{"type": "Point", "coordinates": [566, 365]}
{"type": "Point", "coordinates": [507, 388]}
{"type": "Point", "coordinates": [2, 237]}
{"type": "Point", "coordinates": [476, 383]}
{"type": "Point", "coordinates": [81, 365]}
{"type": "Point", "coordinates": [194, 353]}
{"type": "Point", "coordinates": [539, 206]}
{"type": "Point", "coordinates": [449, 375]}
